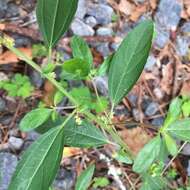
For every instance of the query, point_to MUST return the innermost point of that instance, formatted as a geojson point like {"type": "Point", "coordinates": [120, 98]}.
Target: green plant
{"type": "Point", "coordinates": [39, 164]}
{"type": "Point", "coordinates": [18, 86]}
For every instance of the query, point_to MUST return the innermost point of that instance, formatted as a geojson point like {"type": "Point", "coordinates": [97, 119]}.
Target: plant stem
{"type": "Point", "coordinates": [113, 134]}
{"type": "Point", "coordinates": [49, 55]}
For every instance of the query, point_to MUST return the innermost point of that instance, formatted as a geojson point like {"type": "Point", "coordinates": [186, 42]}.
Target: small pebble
{"type": "Point", "coordinates": [15, 143]}
{"type": "Point", "coordinates": [8, 164]}
{"type": "Point", "coordinates": [102, 85]}
{"type": "Point", "coordinates": [103, 31]}
{"type": "Point", "coordinates": [152, 109]}
{"type": "Point", "coordinates": [78, 27]}
{"type": "Point", "coordinates": [91, 21]}
{"type": "Point", "coordinates": [2, 104]}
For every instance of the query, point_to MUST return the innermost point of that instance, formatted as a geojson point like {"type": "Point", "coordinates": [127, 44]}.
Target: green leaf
{"type": "Point", "coordinates": [171, 144]}
{"type": "Point", "coordinates": [152, 183]}
{"type": "Point", "coordinates": [100, 105]}
{"type": "Point", "coordinates": [180, 129]}
{"type": "Point", "coordinates": [173, 112]}
{"type": "Point", "coordinates": [129, 60]}
{"type": "Point", "coordinates": [82, 95]}
{"type": "Point", "coordinates": [100, 182]}
{"type": "Point", "coordinates": [54, 18]}
{"type": "Point", "coordinates": [39, 164]}
{"type": "Point", "coordinates": [80, 49]}
{"type": "Point", "coordinates": [104, 67]}
{"type": "Point", "coordinates": [186, 108]}
{"type": "Point", "coordinates": [75, 69]}
{"type": "Point", "coordinates": [34, 119]}
{"type": "Point", "coordinates": [85, 135]}
{"type": "Point", "coordinates": [84, 180]}
{"type": "Point", "coordinates": [147, 155]}
{"type": "Point", "coordinates": [121, 156]}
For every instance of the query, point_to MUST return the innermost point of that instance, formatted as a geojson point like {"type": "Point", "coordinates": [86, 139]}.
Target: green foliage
{"type": "Point", "coordinates": [171, 144]}
{"type": "Point", "coordinates": [84, 180]}
{"type": "Point", "coordinates": [128, 62]}
{"type": "Point", "coordinates": [86, 100]}
{"type": "Point", "coordinates": [18, 86]}
{"type": "Point", "coordinates": [39, 164]}
{"type": "Point", "coordinates": [75, 69]}
{"type": "Point", "coordinates": [39, 50]}
{"type": "Point", "coordinates": [147, 155]}
{"type": "Point", "coordinates": [180, 129]}
{"type": "Point", "coordinates": [89, 135]}
{"type": "Point", "coordinates": [122, 157]}
{"type": "Point", "coordinates": [34, 119]}
{"type": "Point", "coordinates": [54, 18]}
{"type": "Point", "coordinates": [100, 182]}
{"type": "Point", "coordinates": [104, 68]}
{"type": "Point", "coordinates": [81, 50]}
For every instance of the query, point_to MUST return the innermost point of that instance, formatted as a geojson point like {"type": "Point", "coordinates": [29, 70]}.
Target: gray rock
{"type": "Point", "coordinates": [78, 27]}
{"type": "Point", "coordinates": [104, 31]}
{"type": "Point", "coordinates": [150, 62]}
{"type": "Point", "coordinates": [103, 48]}
{"type": "Point", "coordinates": [82, 9]}
{"type": "Point", "coordinates": [65, 180]}
{"type": "Point", "coordinates": [115, 45]}
{"type": "Point", "coordinates": [36, 78]}
{"type": "Point", "coordinates": [158, 121]}
{"type": "Point", "coordinates": [132, 99]}
{"type": "Point", "coordinates": [15, 143]}
{"type": "Point", "coordinates": [188, 168]}
{"type": "Point", "coordinates": [152, 109]}
{"type": "Point", "coordinates": [182, 45]}
{"type": "Point", "coordinates": [6, 120]}
{"type": "Point", "coordinates": [137, 115]}
{"type": "Point", "coordinates": [158, 93]}
{"type": "Point", "coordinates": [3, 8]}
{"type": "Point", "coordinates": [2, 104]}
{"type": "Point", "coordinates": [102, 13]}
{"type": "Point", "coordinates": [8, 164]}
{"type": "Point", "coordinates": [3, 76]}
{"type": "Point", "coordinates": [102, 85]}
{"type": "Point", "coordinates": [186, 28]}
{"type": "Point", "coordinates": [162, 37]}
{"type": "Point", "coordinates": [91, 21]}
{"type": "Point", "coordinates": [169, 14]}
{"type": "Point", "coordinates": [12, 10]}
{"type": "Point", "coordinates": [186, 150]}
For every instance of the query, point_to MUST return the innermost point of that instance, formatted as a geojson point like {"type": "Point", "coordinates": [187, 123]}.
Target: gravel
{"type": "Point", "coordinates": [15, 143]}
{"type": "Point", "coordinates": [182, 45]}
{"type": "Point", "coordinates": [2, 104]}
{"type": "Point", "coordinates": [102, 85]}
{"type": "Point", "coordinates": [8, 164]}
{"type": "Point", "coordinates": [152, 109]}
{"type": "Point", "coordinates": [150, 62]}
{"type": "Point", "coordinates": [104, 31]}
{"type": "Point", "coordinates": [102, 13]}
{"type": "Point", "coordinates": [103, 48]}
{"type": "Point", "coordinates": [91, 21]}
{"type": "Point", "coordinates": [78, 27]}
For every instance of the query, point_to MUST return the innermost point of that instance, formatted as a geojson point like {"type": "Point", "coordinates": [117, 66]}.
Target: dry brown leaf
{"type": "Point", "coordinates": [135, 138]}
{"type": "Point", "coordinates": [70, 151]}
{"type": "Point", "coordinates": [153, 4]}
{"type": "Point", "coordinates": [137, 12]}
{"type": "Point", "coordinates": [9, 57]}
{"type": "Point", "coordinates": [126, 7]}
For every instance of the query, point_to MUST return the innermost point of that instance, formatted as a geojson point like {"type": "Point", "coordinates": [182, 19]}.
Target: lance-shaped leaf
{"type": "Point", "coordinates": [180, 129]}
{"type": "Point", "coordinates": [34, 119]}
{"type": "Point", "coordinates": [54, 18]}
{"type": "Point", "coordinates": [39, 164]}
{"type": "Point", "coordinates": [85, 135]}
{"type": "Point", "coordinates": [80, 49]}
{"type": "Point", "coordinates": [129, 60]}
{"type": "Point", "coordinates": [147, 155]}
{"type": "Point", "coordinates": [83, 181]}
